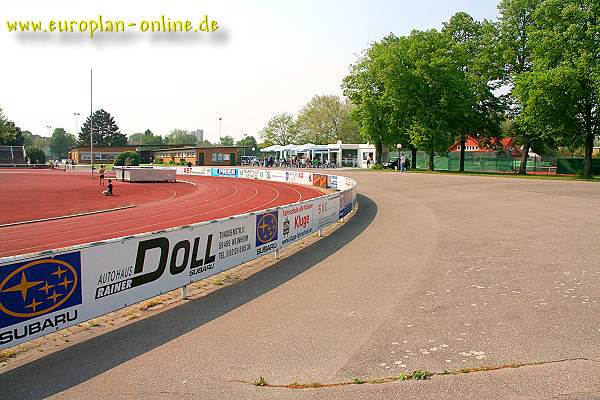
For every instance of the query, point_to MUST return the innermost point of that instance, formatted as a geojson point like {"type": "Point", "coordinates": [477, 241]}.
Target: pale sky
{"type": "Point", "coordinates": [268, 57]}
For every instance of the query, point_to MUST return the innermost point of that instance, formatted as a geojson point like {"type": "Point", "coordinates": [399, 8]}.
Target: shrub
{"type": "Point", "coordinates": [182, 161]}
{"type": "Point", "coordinates": [36, 155]}
{"type": "Point", "coordinates": [377, 166]}
{"type": "Point", "coordinates": [158, 160]}
{"type": "Point", "coordinates": [129, 158]}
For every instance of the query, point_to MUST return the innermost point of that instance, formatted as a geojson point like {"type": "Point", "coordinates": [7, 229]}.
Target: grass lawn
{"type": "Point", "coordinates": [495, 174]}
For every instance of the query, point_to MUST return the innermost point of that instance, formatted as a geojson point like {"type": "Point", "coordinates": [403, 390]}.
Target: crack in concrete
{"type": "Point", "coordinates": [409, 376]}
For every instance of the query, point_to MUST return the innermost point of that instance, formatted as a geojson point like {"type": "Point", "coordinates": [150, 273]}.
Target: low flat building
{"type": "Point", "coordinates": [107, 154]}
{"type": "Point", "coordinates": [209, 156]}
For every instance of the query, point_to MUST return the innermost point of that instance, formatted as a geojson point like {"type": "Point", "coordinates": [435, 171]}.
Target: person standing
{"type": "Point", "coordinates": [402, 163]}
{"type": "Point", "coordinates": [101, 172]}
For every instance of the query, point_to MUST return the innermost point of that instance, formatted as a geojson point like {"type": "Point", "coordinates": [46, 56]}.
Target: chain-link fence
{"type": "Point", "coordinates": [495, 163]}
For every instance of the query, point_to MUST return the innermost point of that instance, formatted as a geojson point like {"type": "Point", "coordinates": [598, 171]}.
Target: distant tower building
{"type": "Point", "coordinates": [199, 134]}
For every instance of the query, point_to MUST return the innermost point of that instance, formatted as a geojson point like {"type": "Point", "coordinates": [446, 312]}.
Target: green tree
{"type": "Point", "coordinates": [281, 130]}
{"type": "Point", "coordinates": [226, 140]}
{"type": "Point", "coordinates": [326, 119]}
{"type": "Point", "coordinates": [129, 158]}
{"type": "Point", "coordinates": [428, 90]}
{"type": "Point", "coordinates": [10, 135]}
{"type": "Point", "coordinates": [515, 25]}
{"type": "Point", "coordinates": [561, 95]}
{"type": "Point", "coordinates": [105, 131]}
{"type": "Point", "coordinates": [147, 137]}
{"type": "Point", "coordinates": [478, 112]}
{"type": "Point", "coordinates": [365, 86]}
{"type": "Point", "coordinates": [35, 155]}
{"type": "Point", "coordinates": [60, 142]}
{"type": "Point", "coordinates": [135, 138]}
{"type": "Point", "coordinates": [151, 138]}
{"type": "Point", "coordinates": [250, 143]}
{"type": "Point", "coordinates": [181, 137]}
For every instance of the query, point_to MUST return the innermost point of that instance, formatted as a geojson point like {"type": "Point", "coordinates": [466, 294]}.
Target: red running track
{"type": "Point", "coordinates": [158, 206]}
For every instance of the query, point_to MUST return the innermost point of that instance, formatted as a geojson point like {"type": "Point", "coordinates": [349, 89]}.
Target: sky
{"type": "Point", "coordinates": [267, 57]}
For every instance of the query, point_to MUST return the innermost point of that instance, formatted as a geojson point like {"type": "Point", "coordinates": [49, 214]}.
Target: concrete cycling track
{"type": "Point", "coordinates": [29, 195]}
{"type": "Point", "coordinates": [436, 272]}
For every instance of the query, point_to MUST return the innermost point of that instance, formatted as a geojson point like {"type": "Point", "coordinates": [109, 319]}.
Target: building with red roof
{"type": "Point", "coordinates": [493, 145]}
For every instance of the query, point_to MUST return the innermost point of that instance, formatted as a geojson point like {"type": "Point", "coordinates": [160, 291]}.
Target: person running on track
{"type": "Point", "coordinates": [101, 172]}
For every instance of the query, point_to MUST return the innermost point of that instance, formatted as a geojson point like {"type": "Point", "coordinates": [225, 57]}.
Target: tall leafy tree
{"type": "Point", "coordinates": [326, 119]}
{"type": "Point", "coordinates": [226, 140]}
{"type": "Point", "coordinates": [365, 87]}
{"type": "Point", "coordinates": [431, 88]}
{"type": "Point", "coordinates": [515, 25]}
{"type": "Point", "coordinates": [480, 112]}
{"type": "Point", "coordinates": [150, 138]}
{"type": "Point", "coordinates": [250, 143]}
{"type": "Point", "coordinates": [561, 95]}
{"type": "Point", "coordinates": [105, 131]}
{"type": "Point", "coordinates": [281, 129]}
{"type": "Point", "coordinates": [181, 136]}
{"type": "Point", "coordinates": [146, 137]}
{"type": "Point", "coordinates": [10, 134]}
{"type": "Point", "coordinates": [60, 142]}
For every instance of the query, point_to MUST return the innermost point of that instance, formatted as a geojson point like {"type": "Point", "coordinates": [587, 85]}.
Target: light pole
{"type": "Point", "coordinates": [76, 115]}
{"type": "Point", "coordinates": [399, 146]}
{"type": "Point", "coordinates": [220, 124]}
{"type": "Point", "coordinates": [92, 121]}
{"type": "Point", "coordinates": [49, 130]}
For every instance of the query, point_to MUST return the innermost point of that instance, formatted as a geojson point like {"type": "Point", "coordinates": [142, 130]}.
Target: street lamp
{"type": "Point", "coordinates": [399, 146]}
{"type": "Point", "coordinates": [220, 124]}
{"type": "Point", "coordinates": [76, 115]}
{"type": "Point", "coordinates": [49, 130]}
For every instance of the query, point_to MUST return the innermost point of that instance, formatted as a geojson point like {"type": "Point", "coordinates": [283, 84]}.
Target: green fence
{"type": "Point", "coordinates": [575, 165]}
{"type": "Point", "coordinates": [483, 162]}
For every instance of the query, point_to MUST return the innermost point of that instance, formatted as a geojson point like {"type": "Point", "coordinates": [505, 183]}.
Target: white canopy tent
{"type": "Point", "coordinates": [354, 155]}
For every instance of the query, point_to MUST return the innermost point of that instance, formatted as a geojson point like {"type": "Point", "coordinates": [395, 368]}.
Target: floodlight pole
{"type": "Point", "coordinates": [91, 122]}
{"type": "Point", "coordinates": [220, 123]}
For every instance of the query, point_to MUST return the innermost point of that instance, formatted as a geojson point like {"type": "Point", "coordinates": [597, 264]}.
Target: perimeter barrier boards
{"type": "Point", "coordinates": [43, 292]}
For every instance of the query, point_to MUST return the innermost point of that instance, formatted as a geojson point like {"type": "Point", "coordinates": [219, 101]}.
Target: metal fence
{"type": "Point", "coordinates": [491, 162]}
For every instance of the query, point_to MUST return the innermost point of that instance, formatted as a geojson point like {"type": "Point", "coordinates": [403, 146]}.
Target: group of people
{"type": "Point", "coordinates": [295, 162]}
{"type": "Point", "coordinates": [109, 187]}
{"type": "Point", "coordinates": [65, 167]}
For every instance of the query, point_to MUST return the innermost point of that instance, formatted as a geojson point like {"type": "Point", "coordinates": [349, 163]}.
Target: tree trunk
{"type": "Point", "coordinates": [431, 159]}
{"type": "Point", "coordinates": [463, 141]}
{"type": "Point", "coordinates": [413, 151]}
{"type": "Point", "coordinates": [524, 157]}
{"type": "Point", "coordinates": [589, 149]}
{"type": "Point", "coordinates": [378, 151]}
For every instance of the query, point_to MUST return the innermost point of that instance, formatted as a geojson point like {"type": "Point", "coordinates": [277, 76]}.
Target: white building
{"type": "Point", "coordinates": [199, 134]}
{"type": "Point", "coordinates": [343, 155]}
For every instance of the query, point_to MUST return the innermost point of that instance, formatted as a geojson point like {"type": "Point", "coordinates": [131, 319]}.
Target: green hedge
{"type": "Point", "coordinates": [128, 158]}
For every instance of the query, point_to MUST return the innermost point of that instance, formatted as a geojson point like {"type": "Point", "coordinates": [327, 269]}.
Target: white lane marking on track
{"type": "Point", "coordinates": [271, 185]}
{"type": "Point", "coordinates": [129, 230]}
{"type": "Point", "coordinates": [191, 183]}
{"type": "Point", "coordinates": [123, 221]}
{"type": "Point", "coordinates": [136, 228]}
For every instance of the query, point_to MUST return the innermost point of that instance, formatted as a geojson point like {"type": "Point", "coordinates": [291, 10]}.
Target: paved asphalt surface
{"type": "Point", "coordinates": [434, 272]}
